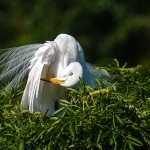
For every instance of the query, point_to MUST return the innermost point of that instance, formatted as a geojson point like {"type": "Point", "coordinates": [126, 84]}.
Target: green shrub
{"type": "Point", "coordinates": [114, 117]}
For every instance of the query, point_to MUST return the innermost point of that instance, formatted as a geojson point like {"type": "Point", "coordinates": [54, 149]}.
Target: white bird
{"type": "Point", "coordinates": [60, 62]}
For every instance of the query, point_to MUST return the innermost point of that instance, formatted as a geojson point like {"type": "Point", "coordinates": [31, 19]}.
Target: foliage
{"type": "Point", "coordinates": [114, 117]}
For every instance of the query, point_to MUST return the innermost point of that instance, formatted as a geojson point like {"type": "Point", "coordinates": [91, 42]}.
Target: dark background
{"type": "Point", "coordinates": [106, 29]}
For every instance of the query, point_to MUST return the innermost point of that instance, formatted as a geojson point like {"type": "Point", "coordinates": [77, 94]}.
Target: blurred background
{"type": "Point", "coordinates": [106, 29]}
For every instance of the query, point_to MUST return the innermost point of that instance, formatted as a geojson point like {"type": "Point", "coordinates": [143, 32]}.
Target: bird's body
{"type": "Point", "coordinates": [60, 61]}
{"type": "Point", "coordinates": [49, 62]}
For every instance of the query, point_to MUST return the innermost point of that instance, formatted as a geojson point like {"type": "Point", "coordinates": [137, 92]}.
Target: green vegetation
{"type": "Point", "coordinates": [114, 117]}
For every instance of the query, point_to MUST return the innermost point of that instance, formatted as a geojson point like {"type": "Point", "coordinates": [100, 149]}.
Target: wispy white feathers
{"type": "Point", "coordinates": [50, 53]}
{"type": "Point", "coordinates": [43, 57]}
{"type": "Point", "coordinates": [15, 62]}
{"type": "Point", "coordinates": [101, 74]}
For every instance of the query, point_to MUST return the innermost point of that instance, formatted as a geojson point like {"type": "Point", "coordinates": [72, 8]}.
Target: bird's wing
{"type": "Point", "coordinates": [15, 62]}
{"type": "Point", "coordinates": [39, 64]}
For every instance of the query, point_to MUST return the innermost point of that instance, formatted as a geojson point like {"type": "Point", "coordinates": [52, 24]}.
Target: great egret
{"type": "Point", "coordinates": [60, 62]}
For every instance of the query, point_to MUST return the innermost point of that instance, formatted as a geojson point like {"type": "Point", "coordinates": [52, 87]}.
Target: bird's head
{"type": "Point", "coordinates": [69, 76]}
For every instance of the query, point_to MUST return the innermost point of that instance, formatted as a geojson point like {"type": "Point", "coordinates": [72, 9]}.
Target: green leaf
{"type": "Point", "coordinates": [73, 90]}
{"type": "Point", "coordinates": [2, 140]}
{"type": "Point", "coordinates": [56, 122]}
{"type": "Point", "coordinates": [148, 142]}
{"type": "Point", "coordinates": [134, 140]}
{"type": "Point", "coordinates": [98, 146]}
{"type": "Point", "coordinates": [113, 121]}
{"type": "Point", "coordinates": [9, 125]}
{"type": "Point", "coordinates": [98, 136]}
{"type": "Point", "coordinates": [58, 111]}
{"type": "Point", "coordinates": [9, 134]}
{"type": "Point", "coordinates": [37, 148]}
{"type": "Point", "coordinates": [116, 62]}
{"type": "Point", "coordinates": [61, 128]}
{"type": "Point", "coordinates": [119, 119]}
{"type": "Point", "coordinates": [131, 146]}
{"type": "Point", "coordinates": [110, 141]}
{"type": "Point", "coordinates": [53, 118]}
{"type": "Point", "coordinates": [76, 126]}
{"type": "Point", "coordinates": [20, 145]}
{"type": "Point", "coordinates": [51, 128]}
{"type": "Point", "coordinates": [6, 106]}
{"type": "Point", "coordinates": [67, 111]}
{"type": "Point", "coordinates": [29, 140]}
{"type": "Point", "coordinates": [3, 130]}
{"type": "Point", "coordinates": [65, 102]}
{"type": "Point", "coordinates": [39, 134]}
{"type": "Point", "coordinates": [124, 145]}
{"type": "Point", "coordinates": [74, 145]}
{"type": "Point", "coordinates": [71, 146]}
{"type": "Point", "coordinates": [70, 110]}
{"type": "Point", "coordinates": [36, 135]}
{"type": "Point", "coordinates": [135, 127]}
{"type": "Point", "coordinates": [71, 130]}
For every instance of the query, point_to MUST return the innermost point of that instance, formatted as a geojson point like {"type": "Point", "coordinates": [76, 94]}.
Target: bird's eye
{"type": "Point", "coordinates": [70, 73]}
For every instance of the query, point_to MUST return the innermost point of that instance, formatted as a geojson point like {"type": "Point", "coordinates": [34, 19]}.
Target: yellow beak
{"type": "Point", "coordinates": [53, 80]}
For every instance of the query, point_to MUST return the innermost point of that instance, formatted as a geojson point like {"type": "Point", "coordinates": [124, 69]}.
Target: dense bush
{"type": "Point", "coordinates": [112, 117]}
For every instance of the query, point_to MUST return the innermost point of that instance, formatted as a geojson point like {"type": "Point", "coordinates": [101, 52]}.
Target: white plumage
{"type": "Point", "coordinates": [61, 62]}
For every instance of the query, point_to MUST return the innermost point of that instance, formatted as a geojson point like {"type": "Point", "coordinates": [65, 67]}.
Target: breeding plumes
{"type": "Point", "coordinates": [51, 68]}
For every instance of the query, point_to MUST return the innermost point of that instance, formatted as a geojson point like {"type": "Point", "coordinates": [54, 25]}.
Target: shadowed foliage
{"type": "Point", "coordinates": [113, 117]}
